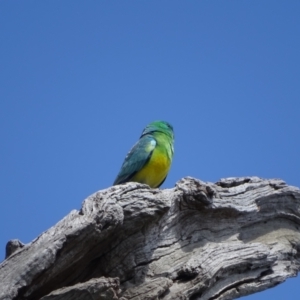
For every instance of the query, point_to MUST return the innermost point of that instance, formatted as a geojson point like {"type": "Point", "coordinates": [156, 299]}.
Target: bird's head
{"type": "Point", "coordinates": [159, 126]}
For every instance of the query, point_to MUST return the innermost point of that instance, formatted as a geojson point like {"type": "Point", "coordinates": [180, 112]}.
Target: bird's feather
{"type": "Point", "coordinates": [136, 159]}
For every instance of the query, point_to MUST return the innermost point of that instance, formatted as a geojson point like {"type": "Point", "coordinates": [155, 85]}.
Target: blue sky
{"type": "Point", "coordinates": [79, 81]}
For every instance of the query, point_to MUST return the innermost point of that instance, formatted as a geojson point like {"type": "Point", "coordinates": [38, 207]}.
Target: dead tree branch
{"type": "Point", "coordinates": [196, 241]}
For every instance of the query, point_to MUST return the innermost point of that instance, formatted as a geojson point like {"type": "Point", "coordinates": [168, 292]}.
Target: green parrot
{"type": "Point", "coordinates": [150, 158]}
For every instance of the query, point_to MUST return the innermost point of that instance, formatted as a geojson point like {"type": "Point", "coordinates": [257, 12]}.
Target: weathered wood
{"type": "Point", "coordinates": [196, 241]}
{"type": "Point", "coordinates": [97, 288]}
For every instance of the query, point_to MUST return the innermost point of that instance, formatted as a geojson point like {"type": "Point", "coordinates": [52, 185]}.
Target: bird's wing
{"type": "Point", "coordinates": [137, 157]}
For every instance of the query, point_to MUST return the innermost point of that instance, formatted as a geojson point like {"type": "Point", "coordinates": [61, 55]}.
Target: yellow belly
{"type": "Point", "coordinates": [155, 171]}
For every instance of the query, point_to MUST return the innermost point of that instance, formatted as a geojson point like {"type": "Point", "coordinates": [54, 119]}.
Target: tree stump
{"type": "Point", "coordinates": [198, 240]}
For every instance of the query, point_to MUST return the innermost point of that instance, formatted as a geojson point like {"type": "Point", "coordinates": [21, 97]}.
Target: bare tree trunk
{"type": "Point", "coordinates": [196, 241]}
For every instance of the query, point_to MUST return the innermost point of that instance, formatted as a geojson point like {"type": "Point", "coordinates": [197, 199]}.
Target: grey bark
{"type": "Point", "coordinates": [198, 240]}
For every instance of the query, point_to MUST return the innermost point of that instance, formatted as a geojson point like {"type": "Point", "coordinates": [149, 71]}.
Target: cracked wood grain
{"type": "Point", "coordinates": [198, 240]}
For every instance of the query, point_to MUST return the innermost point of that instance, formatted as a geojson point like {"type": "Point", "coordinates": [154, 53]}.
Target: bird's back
{"type": "Point", "coordinates": [156, 169]}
